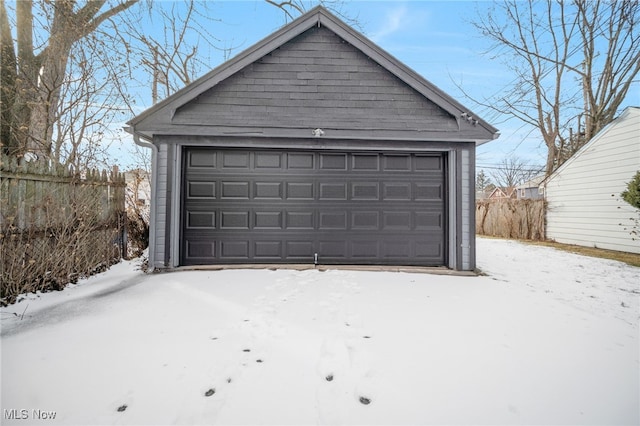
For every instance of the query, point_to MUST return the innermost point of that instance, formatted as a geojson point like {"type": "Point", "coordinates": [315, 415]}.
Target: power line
{"type": "Point", "coordinates": [497, 167]}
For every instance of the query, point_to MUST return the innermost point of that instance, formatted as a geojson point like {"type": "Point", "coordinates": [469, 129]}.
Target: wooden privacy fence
{"type": "Point", "coordinates": [56, 226]}
{"type": "Point", "coordinates": [511, 218]}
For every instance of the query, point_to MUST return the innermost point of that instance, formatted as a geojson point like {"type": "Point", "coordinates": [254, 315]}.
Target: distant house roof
{"type": "Point", "coordinates": [531, 183]}
{"type": "Point", "coordinates": [503, 192]}
{"type": "Point", "coordinates": [159, 119]}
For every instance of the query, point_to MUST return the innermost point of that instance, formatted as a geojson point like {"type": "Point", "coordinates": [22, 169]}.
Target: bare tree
{"type": "Point", "coordinates": [174, 58]}
{"type": "Point", "coordinates": [293, 8]}
{"type": "Point", "coordinates": [483, 183]}
{"type": "Point", "coordinates": [35, 68]}
{"type": "Point", "coordinates": [573, 64]}
{"type": "Point", "coordinates": [89, 104]}
{"type": "Point", "coordinates": [71, 62]}
{"type": "Point", "coordinates": [512, 171]}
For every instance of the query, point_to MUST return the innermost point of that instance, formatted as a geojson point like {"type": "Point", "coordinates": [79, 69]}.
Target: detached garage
{"type": "Point", "coordinates": [312, 146]}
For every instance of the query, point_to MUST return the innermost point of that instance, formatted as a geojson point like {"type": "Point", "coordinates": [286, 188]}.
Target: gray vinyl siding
{"type": "Point", "coordinates": [316, 80]}
{"type": "Point", "coordinates": [467, 210]}
{"type": "Point", "coordinates": [160, 222]}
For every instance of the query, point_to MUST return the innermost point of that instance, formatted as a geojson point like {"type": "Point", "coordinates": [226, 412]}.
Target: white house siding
{"type": "Point", "coordinates": [583, 195]}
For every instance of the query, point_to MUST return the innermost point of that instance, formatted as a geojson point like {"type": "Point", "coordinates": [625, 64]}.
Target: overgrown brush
{"type": "Point", "coordinates": [56, 227]}
{"type": "Point", "coordinates": [520, 218]}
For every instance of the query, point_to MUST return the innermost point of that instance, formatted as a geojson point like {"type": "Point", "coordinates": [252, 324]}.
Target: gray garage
{"type": "Point", "coordinates": [312, 146]}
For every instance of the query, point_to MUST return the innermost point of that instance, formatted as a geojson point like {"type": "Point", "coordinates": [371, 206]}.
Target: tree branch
{"type": "Point", "coordinates": [87, 14]}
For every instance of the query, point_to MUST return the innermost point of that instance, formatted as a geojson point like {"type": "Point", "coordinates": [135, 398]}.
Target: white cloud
{"type": "Point", "coordinates": [393, 22]}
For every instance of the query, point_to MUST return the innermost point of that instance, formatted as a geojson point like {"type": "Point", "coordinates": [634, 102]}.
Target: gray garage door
{"type": "Point", "coordinates": [270, 206]}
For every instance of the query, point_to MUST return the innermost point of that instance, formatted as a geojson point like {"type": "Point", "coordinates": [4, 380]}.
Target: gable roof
{"type": "Point", "coordinates": [534, 182]}
{"type": "Point", "coordinates": [503, 192]}
{"type": "Point", "coordinates": [628, 113]}
{"type": "Point", "coordinates": [155, 119]}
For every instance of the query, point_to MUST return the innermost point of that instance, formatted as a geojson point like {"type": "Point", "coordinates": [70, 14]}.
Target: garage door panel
{"type": "Point", "coordinates": [268, 190]}
{"type": "Point", "coordinates": [268, 220]}
{"type": "Point", "coordinates": [396, 163]}
{"type": "Point", "coordinates": [365, 249]}
{"type": "Point", "coordinates": [235, 160]}
{"type": "Point", "coordinates": [236, 250]}
{"type": "Point", "coordinates": [431, 221]}
{"type": "Point", "coordinates": [300, 220]}
{"type": "Point", "coordinates": [365, 220]}
{"type": "Point", "coordinates": [333, 191]}
{"type": "Point", "coordinates": [428, 251]}
{"type": "Point", "coordinates": [200, 250]}
{"type": "Point", "coordinates": [365, 162]}
{"type": "Point", "coordinates": [333, 220]}
{"type": "Point", "coordinates": [242, 206]}
{"type": "Point", "coordinates": [300, 161]}
{"type": "Point", "coordinates": [365, 191]}
{"type": "Point", "coordinates": [333, 162]}
{"type": "Point", "coordinates": [425, 191]}
{"type": "Point", "coordinates": [398, 249]}
{"type": "Point", "coordinates": [428, 163]}
{"type": "Point", "coordinates": [234, 220]}
{"type": "Point", "coordinates": [268, 160]}
{"type": "Point", "coordinates": [201, 159]}
{"type": "Point", "coordinates": [300, 191]}
{"type": "Point", "coordinates": [200, 219]}
{"type": "Point", "coordinates": [396, 191]}
{"type": "Point", "coordinates": [235, 190]}
{"type": "Point", "coordinates": [332, 250]}
{"type": "Point", "coordinates": [396, 220]}
{"type": "Point", "coordinates": [299, 250]}
{"type": "Point", "coordinates": [268, 250]}
{"type": "Point", "coordinates": [197, 189]}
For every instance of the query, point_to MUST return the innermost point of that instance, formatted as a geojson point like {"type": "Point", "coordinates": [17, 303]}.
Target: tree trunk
{"type": "Point", "coordinates": [7, 83]}
{"type": "Point", "coordinates": [43, 112]}
{"type": "Point", "coordinates": [31, 84]}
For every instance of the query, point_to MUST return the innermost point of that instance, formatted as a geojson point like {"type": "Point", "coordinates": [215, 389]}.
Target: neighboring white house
{"type": "Point", "coordinates": [583, 195]}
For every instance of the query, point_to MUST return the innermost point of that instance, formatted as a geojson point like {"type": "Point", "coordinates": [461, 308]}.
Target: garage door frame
{"type": "Point", "coordinates": [444, 149]}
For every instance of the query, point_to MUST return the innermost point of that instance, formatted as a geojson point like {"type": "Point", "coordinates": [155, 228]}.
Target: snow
{"type": "Point", "coordinates": [545, 337]}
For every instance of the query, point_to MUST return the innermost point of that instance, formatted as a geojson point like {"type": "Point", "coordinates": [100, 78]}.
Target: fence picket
{"type": "Point", "coordinates": [54, 226]}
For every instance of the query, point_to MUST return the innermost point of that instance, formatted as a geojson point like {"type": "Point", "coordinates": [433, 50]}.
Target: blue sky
{"type": "Point", "coordinates": [435, 38]}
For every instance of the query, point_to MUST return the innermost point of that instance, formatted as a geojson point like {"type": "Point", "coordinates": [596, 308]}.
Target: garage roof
{"type": "Point", "coordinates": [160, 119]}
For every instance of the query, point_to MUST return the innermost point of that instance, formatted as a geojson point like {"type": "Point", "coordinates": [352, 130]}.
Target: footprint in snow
{"type": "Point", "coordinates": [364, 400]}
{"type": "Point", "coordinates": [210, 392]}
{"type": "Point", "coordinates": [122, 408]}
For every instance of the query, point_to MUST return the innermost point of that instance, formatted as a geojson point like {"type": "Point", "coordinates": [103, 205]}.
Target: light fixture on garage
{"type": "Point", "coordinates": [317, 133]}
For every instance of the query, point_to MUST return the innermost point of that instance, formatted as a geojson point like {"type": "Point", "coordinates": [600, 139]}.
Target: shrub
{"type": "Point", "coordinates": [632, 194]}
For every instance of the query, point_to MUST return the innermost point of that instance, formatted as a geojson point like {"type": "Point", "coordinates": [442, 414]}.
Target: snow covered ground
{"type": "Point", "coordinates": [546, 337]}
